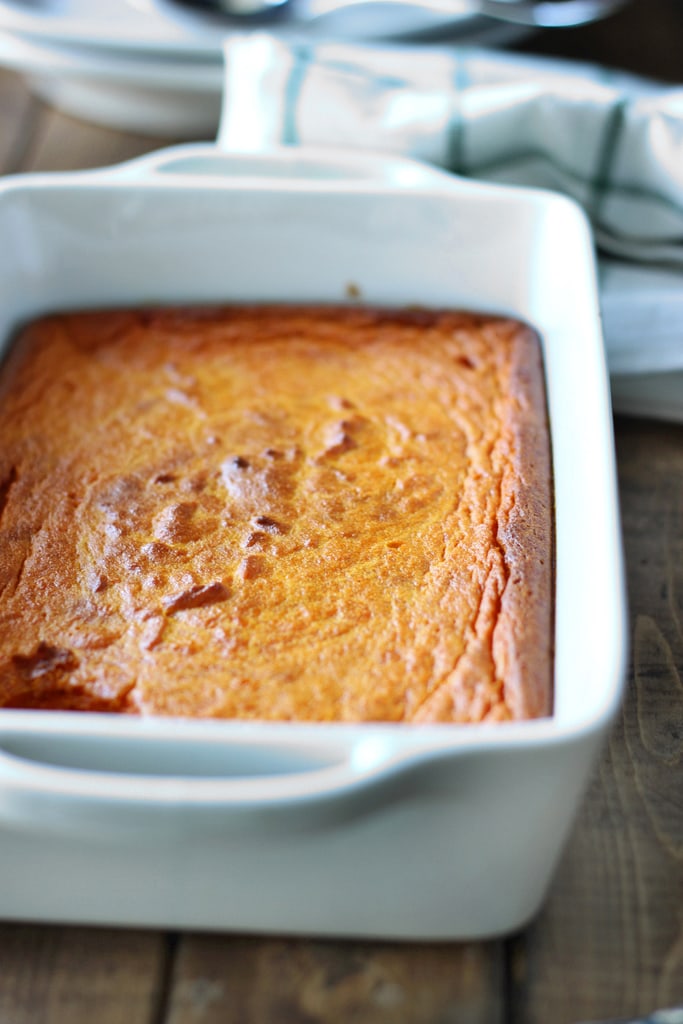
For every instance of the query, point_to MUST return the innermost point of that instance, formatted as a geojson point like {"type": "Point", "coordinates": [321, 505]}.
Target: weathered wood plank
{"type": "Point", "coordinates": [223, 980]}
{"type": "Point", "coordinates": [610, 942]}
{"type": "Point", "coordinates": [54, 975]}
{"type": "Point", "coordinates": [64, 144]}
{"type": "Point", "coordinates": [19, 114]}
{"type": "Point", "coordinates": [37, 137]}
{"type": "Point", "coordinates": [59, 142]}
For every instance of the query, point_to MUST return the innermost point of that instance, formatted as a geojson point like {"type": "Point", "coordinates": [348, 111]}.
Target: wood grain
{"type": "Point", "coordinates": [610, 940]}
{"type": "Point", "coordinates": [36, 137]}
{"type": "Point", "coordinates": [18, 116]}
{"type": "Point", "coordinates": [53, 975]}
{"type": "Point", "coordinates": [219, 980]}
{"type": "Point", "coordinates": [63, 143]}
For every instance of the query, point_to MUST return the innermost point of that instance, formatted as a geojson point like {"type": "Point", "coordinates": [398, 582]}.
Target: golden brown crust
{"type": "Point", "coordinates": [276, 512]}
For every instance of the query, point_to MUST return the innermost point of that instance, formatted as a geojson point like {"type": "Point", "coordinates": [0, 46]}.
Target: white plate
{"type": "Point", "coordinates": [129, 92]}
{"type": "Point", "coordinates": [164, 26]}
{"type": "Point", "coordinates": [395, 831]}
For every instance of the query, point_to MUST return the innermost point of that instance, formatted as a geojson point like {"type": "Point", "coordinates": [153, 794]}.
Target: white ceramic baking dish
{"type": "Point", "coordinates": [374, 830]}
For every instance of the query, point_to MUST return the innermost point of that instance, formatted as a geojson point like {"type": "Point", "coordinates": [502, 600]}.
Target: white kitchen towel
{"type": "Point", "coordinates": [611, 141]}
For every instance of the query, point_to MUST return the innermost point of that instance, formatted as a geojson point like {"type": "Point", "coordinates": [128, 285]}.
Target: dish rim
{"type": "Point", "coordinates": [376, 174]}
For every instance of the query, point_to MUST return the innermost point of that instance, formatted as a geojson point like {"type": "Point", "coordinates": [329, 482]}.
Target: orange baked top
{"type": "Point", "coordinates": [276, 513]}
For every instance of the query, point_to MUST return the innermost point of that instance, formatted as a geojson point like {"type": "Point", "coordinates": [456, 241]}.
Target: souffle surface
{"type": "Point", "coordinates": [275, 512]}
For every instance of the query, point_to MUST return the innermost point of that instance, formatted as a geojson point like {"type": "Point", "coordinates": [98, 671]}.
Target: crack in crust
{"type": "Point", "coordinates": [5, 487]}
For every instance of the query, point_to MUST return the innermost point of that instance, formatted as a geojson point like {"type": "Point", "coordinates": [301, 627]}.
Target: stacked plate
{"type": "Point", "coordinates": [155, 66]}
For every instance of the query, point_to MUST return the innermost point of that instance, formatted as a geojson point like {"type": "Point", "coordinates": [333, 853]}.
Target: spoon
{"type": "Point", "coordinates": [532, 13]}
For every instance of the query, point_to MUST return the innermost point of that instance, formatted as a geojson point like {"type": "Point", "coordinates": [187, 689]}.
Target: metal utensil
{"type": "Point", "coordinates": [532, 13]}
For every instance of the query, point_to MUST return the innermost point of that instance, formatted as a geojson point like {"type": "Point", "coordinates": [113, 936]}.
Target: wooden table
{"type": "Point", "coordinates": [609, 942]}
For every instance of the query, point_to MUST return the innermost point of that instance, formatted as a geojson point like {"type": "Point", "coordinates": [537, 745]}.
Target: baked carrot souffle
{"type": "Point", "coordinates": [276, 512]}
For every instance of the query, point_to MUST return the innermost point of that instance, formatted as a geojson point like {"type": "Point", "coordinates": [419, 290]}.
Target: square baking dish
{"type": "Point", "coordinates": [395, 831]}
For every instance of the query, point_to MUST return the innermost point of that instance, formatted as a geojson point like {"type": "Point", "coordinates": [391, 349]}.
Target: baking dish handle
{"type": "Point", "coordinates": [97, 787]}
{"type": "Point", "coordinates": [279, 164]}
